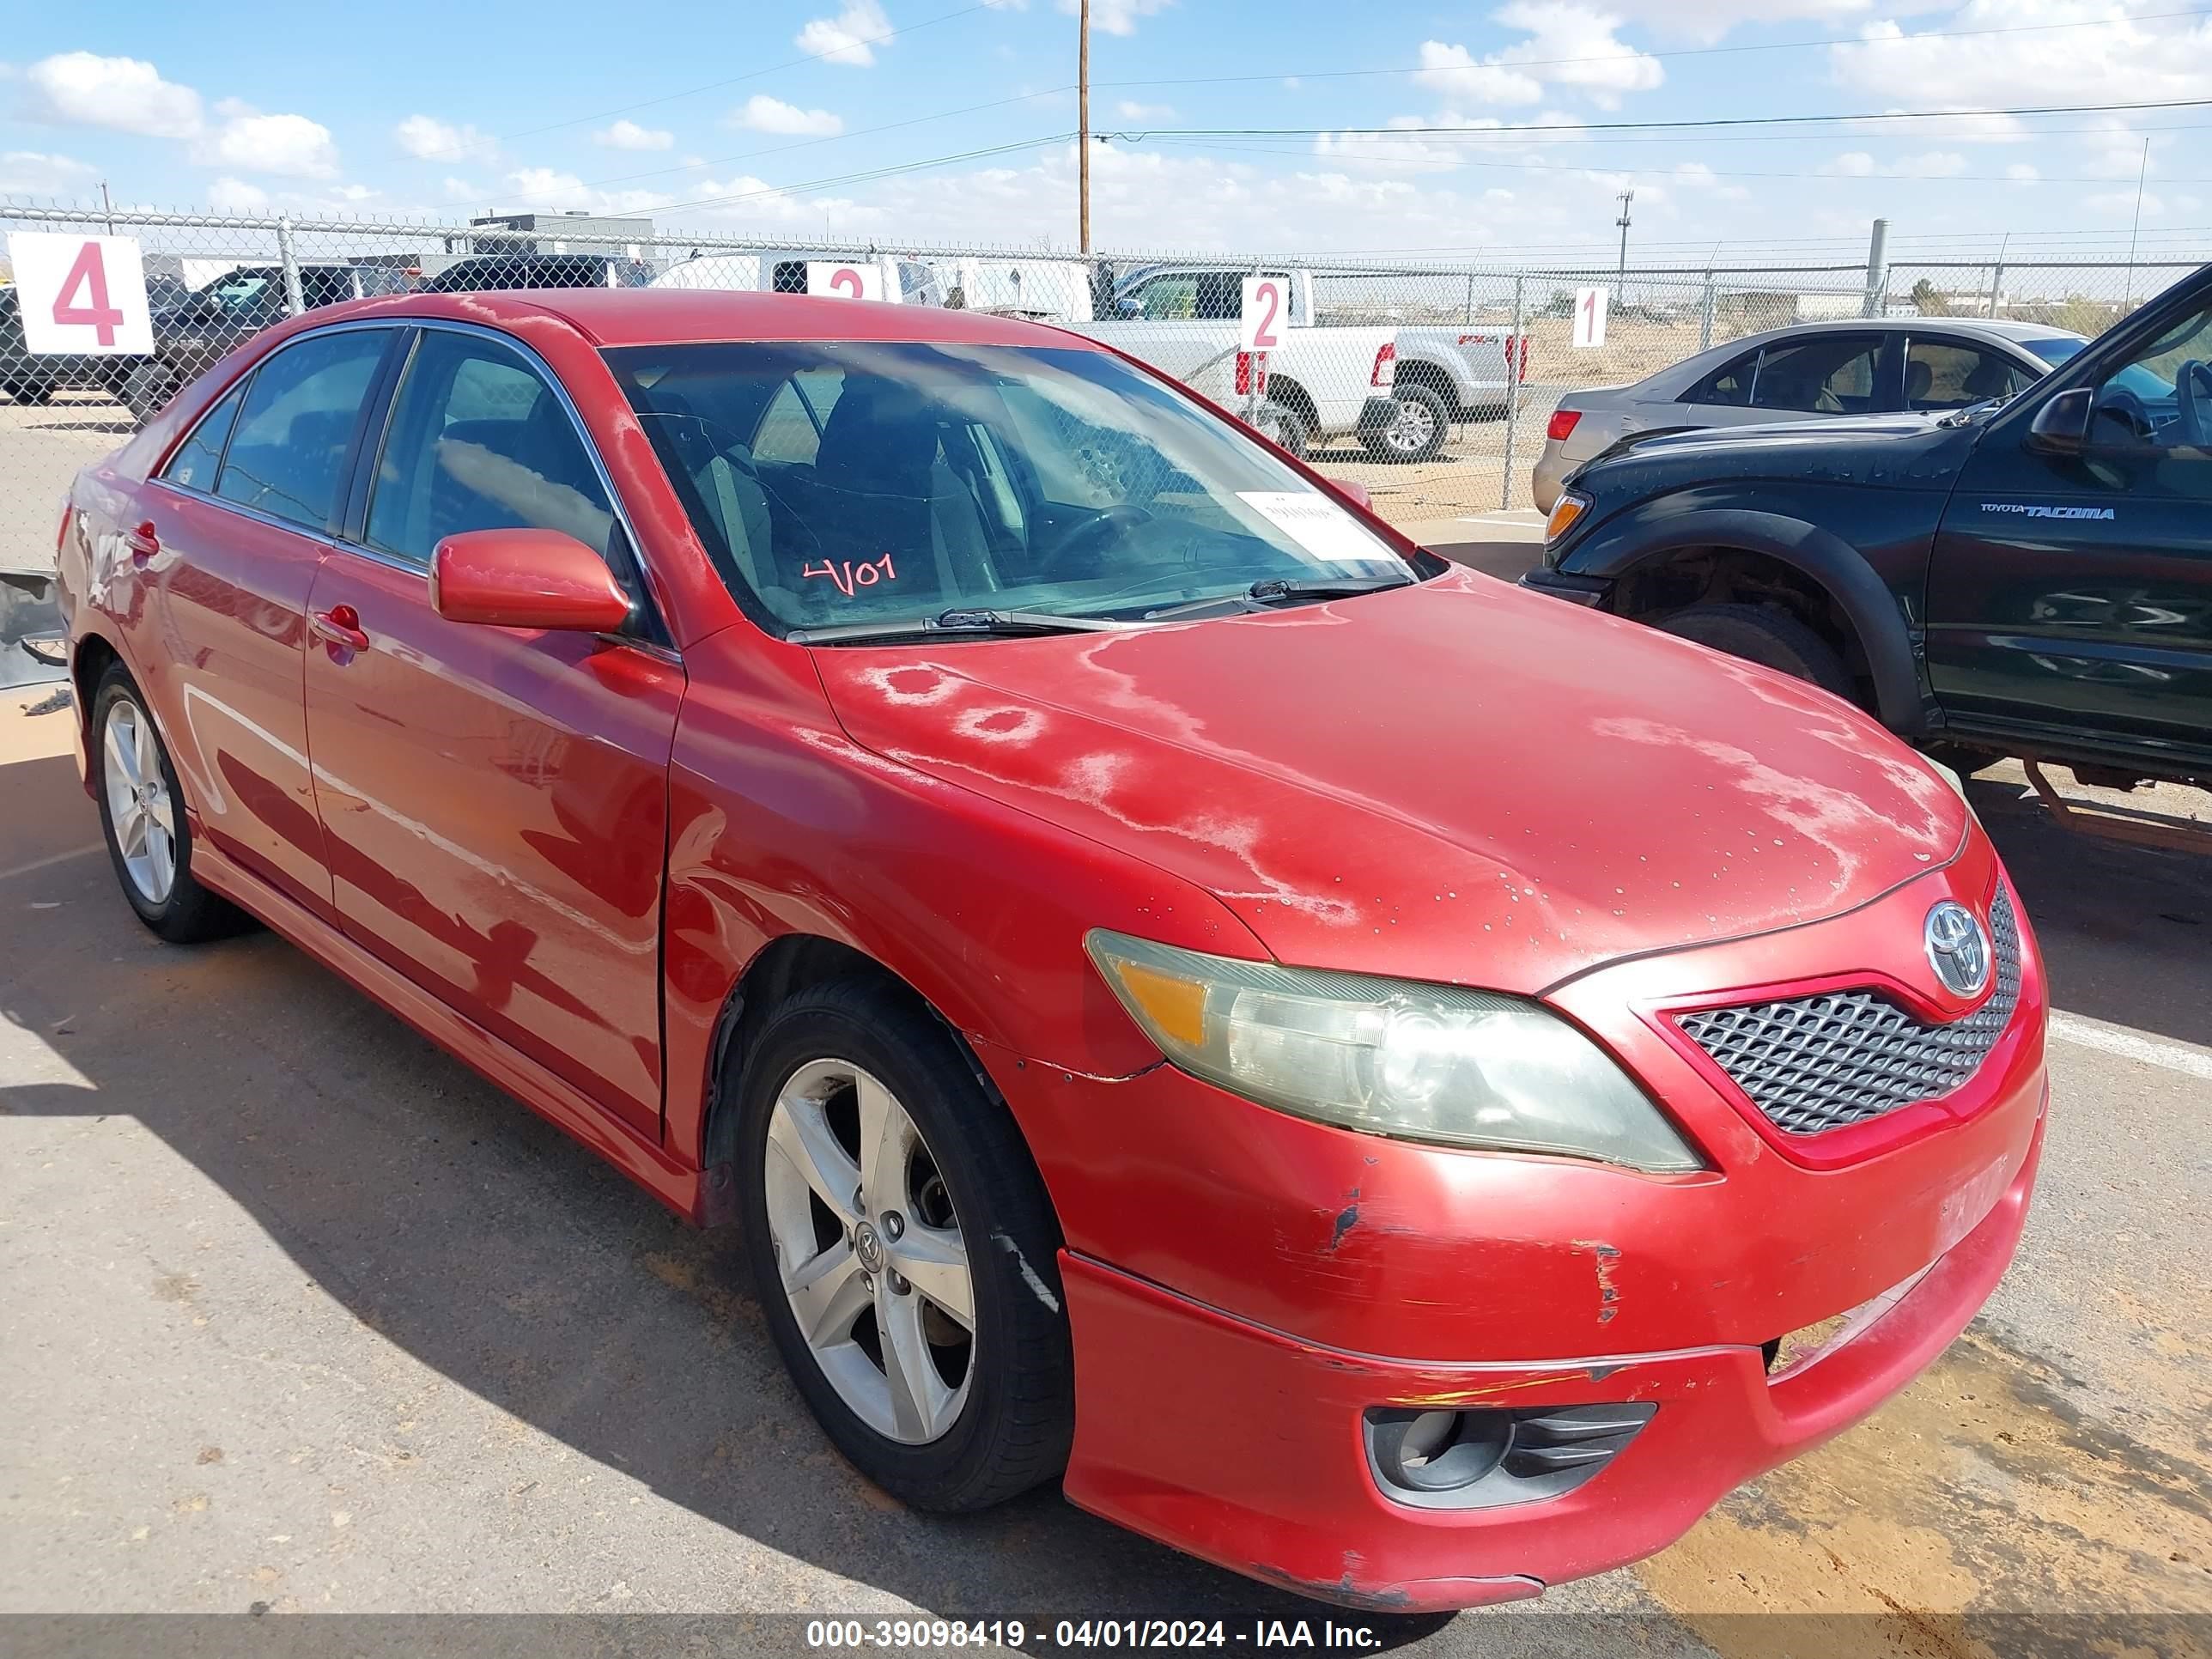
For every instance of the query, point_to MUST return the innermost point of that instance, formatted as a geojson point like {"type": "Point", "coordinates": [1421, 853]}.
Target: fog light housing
{"type": "Point", "coordinates": [1487, 1459]}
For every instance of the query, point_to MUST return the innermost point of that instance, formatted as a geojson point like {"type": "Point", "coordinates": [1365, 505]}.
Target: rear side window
{"type": "Point", "coordinates": [1946, 375]}
{"type": "Point", "coordinates": [194, 464]}
{"type": "Point", "coordinates": [478, 441]}
{"type": "Point", "coordinates": [1730, 387]}
{"type": "Point", "coordinates": [1822, 376]}
{"type": "Point", "coordinates": [287, 455]}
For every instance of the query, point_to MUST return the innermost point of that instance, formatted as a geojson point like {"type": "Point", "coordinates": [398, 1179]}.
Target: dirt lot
{"type": "Point", "coordinates": [296, 1314]}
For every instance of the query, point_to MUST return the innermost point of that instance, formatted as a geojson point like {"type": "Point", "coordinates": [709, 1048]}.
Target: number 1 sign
{"type": "Point", "coordinates": [843, 281]}
{"type": "Point", "coordinates": [81, 293]}
{"type": "Point", "coordinates": [1589, 318]}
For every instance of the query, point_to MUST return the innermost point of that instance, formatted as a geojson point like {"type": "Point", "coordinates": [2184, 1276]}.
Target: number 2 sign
{"type": "Point", "coordinates": [1265, 318]}
{"type": "Point", "coordinates": [81, 294]}
{"type": "Point", "coordinates": [843, 281]}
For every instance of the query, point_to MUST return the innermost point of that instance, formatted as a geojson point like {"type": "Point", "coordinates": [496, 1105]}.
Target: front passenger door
{"type": "Point", "coordinates": [2071, 596]}
{"type": "Point", "coordinates": [494, 800]}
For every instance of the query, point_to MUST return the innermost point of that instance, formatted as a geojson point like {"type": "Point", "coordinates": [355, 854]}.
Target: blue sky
{"type": "Point", "coordinates": [412, 109]}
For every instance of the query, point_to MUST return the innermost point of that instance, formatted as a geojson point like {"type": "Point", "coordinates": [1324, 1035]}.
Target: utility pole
{"type": "Point", "coordinates": [1082, 125]}
{"type": "Point", "coordinates": [1620, 296]}
{"type": "Point", "coordinates": [1877, 271]}
{"type": "Point", "coordinates": [107, 207]}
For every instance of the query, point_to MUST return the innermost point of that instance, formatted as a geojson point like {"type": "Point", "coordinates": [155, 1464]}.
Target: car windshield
{"type": "Point", "coordinates": [839, 482]}
{"type": "Point", "coordinates": [2054, 348]}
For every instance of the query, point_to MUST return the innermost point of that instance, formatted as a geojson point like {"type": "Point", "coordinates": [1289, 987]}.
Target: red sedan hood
{"type": "Point", "coordinates": [1458, 783]}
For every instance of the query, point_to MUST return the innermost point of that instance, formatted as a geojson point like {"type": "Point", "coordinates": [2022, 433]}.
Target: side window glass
{"type": "Point", "coordinates": [1825, 376]}
{"type": "Point", "coordinates": [196, 459]}
{"type": "Point", "coordinates": [1940, 374]}
{"type": "Point", "coordinates": [477, 441]}
{"type": "Point", "coordinates": [2161, 400]}
{"type": "Point", "coordinates": [1168, 298]}
{"type": "Point", "coordinates": [1729, 386]}
{"type": "Point", "coordinates": [287, 455]}
{"type": "Point", "coordinates": [790, 430]}
{"type": "Point", "coordinates": [1220, 295]}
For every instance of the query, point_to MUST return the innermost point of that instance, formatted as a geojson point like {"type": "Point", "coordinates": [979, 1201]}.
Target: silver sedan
{"type": "Point", "coordinates": [1803, 373]}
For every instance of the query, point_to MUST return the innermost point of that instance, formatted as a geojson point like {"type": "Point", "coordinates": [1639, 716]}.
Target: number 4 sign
{"type": "Point", "coordinates": [1263, 319]}
{"type": "Point", "coordinates": [1589, 318]}
{"type": "Point", "coordinates": [81, 294]}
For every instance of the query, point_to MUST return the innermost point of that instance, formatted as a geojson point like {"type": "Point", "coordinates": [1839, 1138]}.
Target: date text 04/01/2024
{"type": "Point", "coordinates": [1104, 1634]}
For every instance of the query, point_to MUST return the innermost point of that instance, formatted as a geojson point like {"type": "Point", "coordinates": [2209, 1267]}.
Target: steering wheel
{"type": "Point", "coordinates": [2193, 402]}
{"type": "Point", "coordinates": [1094, 530]}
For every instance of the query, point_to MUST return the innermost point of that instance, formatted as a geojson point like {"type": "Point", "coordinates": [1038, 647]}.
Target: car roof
{"type": "Point", "coordinates": [2002, 328]}
{"type": "Point", "coordinates": [666, 316]}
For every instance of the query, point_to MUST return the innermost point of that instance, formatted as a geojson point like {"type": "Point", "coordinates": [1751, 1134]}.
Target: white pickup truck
{"type": "Point", "coordinates": [1321, 382]}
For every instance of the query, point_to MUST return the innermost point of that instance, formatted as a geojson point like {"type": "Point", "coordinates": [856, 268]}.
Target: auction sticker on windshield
{"type": "Point", "coordinates": [1317, 524]}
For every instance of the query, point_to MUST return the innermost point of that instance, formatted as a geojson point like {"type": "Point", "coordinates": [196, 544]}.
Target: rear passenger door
{"type": "Point", "coordinates": [494, 800]}
{"type": "Point", "coordinates": [235, 525]}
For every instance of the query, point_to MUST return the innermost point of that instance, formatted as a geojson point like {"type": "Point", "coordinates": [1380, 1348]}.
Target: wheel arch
{"type": "Point", "coordinates": [1821, 556]}
{"type": "Point", "coordinates": [1427, 371]}
{"type": "Point", "coordinates": [89, 664]}
{"type": "Point", "coordinates": [1287, 391]}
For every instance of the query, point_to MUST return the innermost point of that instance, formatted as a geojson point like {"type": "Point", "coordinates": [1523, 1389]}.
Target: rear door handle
{"type": "Point", "coordinates": [142, 542]}
{"type": "Point", "coordinates": [340, 625]}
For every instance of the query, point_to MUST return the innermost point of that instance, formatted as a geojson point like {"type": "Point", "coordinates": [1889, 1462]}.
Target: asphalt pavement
{"type": "Point", "coordinates": [296, 1314]}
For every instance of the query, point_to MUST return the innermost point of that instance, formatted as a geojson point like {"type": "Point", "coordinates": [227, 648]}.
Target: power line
{"type": "Point", "coordinates": [1630, 54]}
{"type": "Point", "coordinates": [872, 173]}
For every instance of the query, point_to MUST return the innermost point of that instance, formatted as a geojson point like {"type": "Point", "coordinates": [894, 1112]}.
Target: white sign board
{"type": "Point", "coordinates": [1589, 318]}
{"type": "Point", "coordinates": [841, 281]}
{"type": "Point", "coordinates": [81, 293]}
{"type": "Point", "coordinates": [1266, 314]}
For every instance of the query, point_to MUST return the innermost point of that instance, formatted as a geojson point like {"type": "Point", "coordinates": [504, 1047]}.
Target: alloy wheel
{"type": "Point", "coordinates": [138, 804]}
{"type": "Point", "coordinates": [869, 1252]}
{"type": "Point", "coordinates": [1411, 432]}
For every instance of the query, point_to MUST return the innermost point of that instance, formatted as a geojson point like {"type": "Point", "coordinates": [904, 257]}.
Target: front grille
{"type": "Point", "coordinates": [1816, 1063]}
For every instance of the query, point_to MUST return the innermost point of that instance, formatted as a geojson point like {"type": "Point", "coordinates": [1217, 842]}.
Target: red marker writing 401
{"type": "Point", "coordinates": [850, 576]}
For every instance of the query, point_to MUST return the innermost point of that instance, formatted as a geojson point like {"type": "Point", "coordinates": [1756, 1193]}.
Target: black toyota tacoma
{"type": "Point", "coordinates": [2029, 577]}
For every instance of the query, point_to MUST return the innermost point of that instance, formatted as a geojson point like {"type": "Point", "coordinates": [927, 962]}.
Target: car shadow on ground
{"type": "Point", "coordinates": [486, 1244]}
{"type": "Point", "coordinates": [2126, 930]}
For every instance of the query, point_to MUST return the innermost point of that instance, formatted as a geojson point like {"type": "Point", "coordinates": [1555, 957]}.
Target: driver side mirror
{"type": "Point", "coordinates": [2062, 425]}
{"type": "Point", "coordinates": [1354, 492]}
{"type": "Point", "coordinates": [526, 579]}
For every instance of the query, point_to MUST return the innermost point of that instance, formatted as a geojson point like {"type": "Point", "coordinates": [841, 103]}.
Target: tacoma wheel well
{"type": "Point", "coordinates": [1685, 576]}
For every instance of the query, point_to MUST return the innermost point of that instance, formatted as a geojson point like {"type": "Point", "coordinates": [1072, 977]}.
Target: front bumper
{"type": "Point", "coordinates": [1243, 1285]}
{"type": "Point", "coordinates": [1242, 1445]}
{"type": "Point", "coordinates": [1574, 589]}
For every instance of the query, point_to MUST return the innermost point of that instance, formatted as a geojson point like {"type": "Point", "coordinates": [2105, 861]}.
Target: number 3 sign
{"type": "Point", "coordinates": [844, 282]}
{"type": "Point", "coordinates": [81, 293]}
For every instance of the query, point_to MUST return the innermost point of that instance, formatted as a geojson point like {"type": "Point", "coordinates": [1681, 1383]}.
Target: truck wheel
{"type": "Point", "coordinates": [903, 1249]}
{"type": "Point", "coordinates": [147, 391]}
{"type": "Point", "coordinates": [1960, 759]}
{"type": "Point", "coordinates": [1289, 430]}
{"type": "Point", "coordinates": [1773, 639]}
{"type": "Point", "coordinates": [1422, 422]}
{"type": "Point", "coordinates": [31, 397]}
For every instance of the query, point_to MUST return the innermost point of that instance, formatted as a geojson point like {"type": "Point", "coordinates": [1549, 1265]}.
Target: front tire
{"type": "Point", "coordinates": [1773, 639]}
{"type": "Point", "coordinates": [147, 391]}
{"type": "Point", "coordinates": [904, 1248]}
{"type": "Point", "coordinates": [142, 817]}
{"type": "Point", "coordinates": [1286, 427]}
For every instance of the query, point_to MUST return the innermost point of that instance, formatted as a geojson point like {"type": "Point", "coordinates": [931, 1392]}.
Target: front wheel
{"type": "Point", "coordinates": [1286, 426]}
{"type": "Point", "coordinates": [147, 391]}
{"type": "Point", "coordinates": [1417, 431]}
{"type": "Point", "coordinates": [904, 1249]}
{"type": "Point", "coordinates": [1773, 639]}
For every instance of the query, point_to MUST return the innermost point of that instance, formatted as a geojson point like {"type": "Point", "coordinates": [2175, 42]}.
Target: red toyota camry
{"type": "Point", "coordinates": [1394, 1085]}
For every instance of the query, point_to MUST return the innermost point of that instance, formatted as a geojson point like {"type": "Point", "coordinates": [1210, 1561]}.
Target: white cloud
{"type": "Point", "coordinates": [2020, 173]}
{"type": "Point", "coordinates": [845, 38]}
{"type": "Point", "coordinates": [549, 189]}
{"type": "Point", "coordinates": [1928, 164]}
{"type": "Point", "coordinates": [1568, 43]}
{"type": "Point", "coordinates": [459, 190]}
{"type": "Point", "coordinates": [427, 138]}
{"type": "Point", "coordinates": [1704, 21]}
{"type": "Point", "coordinates": [36, 173]}
{"type": "Point", "coordinates": [1129, 109]}
{"type": "Point", "coordinates": [1696, 175]}
{"type": "Point", "coordinates": [291, 145]}
{"type": "Point", "coordinates": [124, 94]}
{"type": "Point", "coordinates": [761, 113]}
{"type": "Point", "coordinates": [1117, 17]}
{"type": "Point", "coordinates": [236, 196]}
{"type": "Point", "coordinates": [2118, 59]}
{"type": "Point", "coordinates": [627, 134]}
{"type": "Point", "coordinates": [2121, 203]}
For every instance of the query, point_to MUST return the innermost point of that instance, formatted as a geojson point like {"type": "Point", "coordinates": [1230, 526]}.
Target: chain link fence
{"type": "Point", "coordinates": [1431, 386]}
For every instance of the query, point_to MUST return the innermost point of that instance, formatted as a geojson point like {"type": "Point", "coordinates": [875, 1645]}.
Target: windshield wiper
{"type": "Point", "coordinates": [1005, 624]}
{"type": "Point", "coordinates": [1278, 590]}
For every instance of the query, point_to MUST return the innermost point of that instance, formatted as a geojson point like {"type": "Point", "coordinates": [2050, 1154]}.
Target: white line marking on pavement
{"type": "Point", "coordinates": [53, 858]}
{"type": "Point", "coordinates": [2129, 1045]}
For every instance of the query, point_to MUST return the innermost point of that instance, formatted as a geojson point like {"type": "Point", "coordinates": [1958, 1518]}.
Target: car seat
{"type": "Point", "coordinates": [883, 487]}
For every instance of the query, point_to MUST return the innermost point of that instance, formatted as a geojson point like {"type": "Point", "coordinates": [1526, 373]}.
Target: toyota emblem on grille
{"type": "Point", "coordinates": [1958, 949]}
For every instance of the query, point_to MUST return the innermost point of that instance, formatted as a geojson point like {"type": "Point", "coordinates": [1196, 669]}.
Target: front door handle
{"type": "Point", "coordinates": [340, 625]}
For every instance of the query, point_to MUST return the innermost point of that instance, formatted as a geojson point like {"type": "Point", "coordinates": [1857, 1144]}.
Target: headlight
{"type": "Point", "coordinates": [1389, 1057]}
{"type": "Point", "coordinates": [1566, 512]}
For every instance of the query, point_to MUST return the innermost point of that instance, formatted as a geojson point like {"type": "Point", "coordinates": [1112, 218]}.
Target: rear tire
{"type": "Point", "coordinates": [147, 391]}
{"type": "Point", "coordinates": [142, 817]}
{"type": "Point", "coordinates": [1424, 422]}
{"type": "Point", "coordinates": [820, 1211]}
{"type": "Point", "coordinates": [1289, 430]}
{"type": "Point", "coordinates": [1773, 639]}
